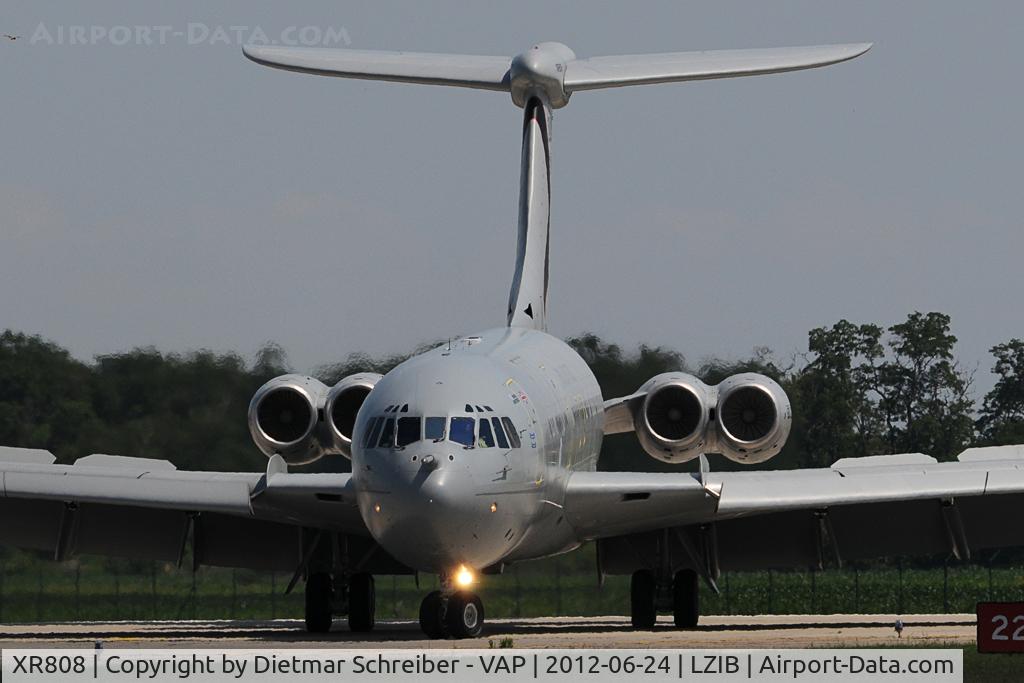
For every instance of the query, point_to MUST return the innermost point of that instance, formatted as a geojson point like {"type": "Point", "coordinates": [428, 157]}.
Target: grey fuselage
{"type": "Point", "coordinates": [438, 505]}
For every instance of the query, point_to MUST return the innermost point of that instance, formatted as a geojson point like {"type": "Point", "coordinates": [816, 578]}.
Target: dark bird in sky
{"type": "Point", "coordinates": [8, 36]}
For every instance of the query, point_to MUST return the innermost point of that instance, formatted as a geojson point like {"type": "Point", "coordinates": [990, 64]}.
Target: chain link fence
{"type": "Point", "coordinates": [93, 589]}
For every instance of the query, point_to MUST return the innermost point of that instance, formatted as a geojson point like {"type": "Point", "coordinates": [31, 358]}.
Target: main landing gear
{"type": "Point", "coordinates": [452, 614]}
{"type": "Point", "coordinates": [327, 596]}
{"type": "Point", "coordinates": [648, 596]}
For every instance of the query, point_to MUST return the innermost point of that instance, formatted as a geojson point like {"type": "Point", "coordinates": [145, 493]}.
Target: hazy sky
{"type": "Point", "coordinates": [180, 196]}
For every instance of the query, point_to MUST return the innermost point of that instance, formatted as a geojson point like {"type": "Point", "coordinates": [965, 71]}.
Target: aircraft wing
{"type": "Point", "coordinates": [858, 508]}
{"type": "Point", "coordinates": [147, 509]}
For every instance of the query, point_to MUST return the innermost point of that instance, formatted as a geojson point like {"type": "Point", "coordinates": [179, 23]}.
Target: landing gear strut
{"type": "Point", "coordinates": [457, 615]}
{"type": "Point", "coordinates": [326, 597]}
{"type": "Point", "coordinates": [647, 597]}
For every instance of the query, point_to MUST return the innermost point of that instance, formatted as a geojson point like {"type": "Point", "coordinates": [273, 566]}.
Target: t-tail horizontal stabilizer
{"type": "Point", "coordinates": [539, 80]}
{"type": "Point", "coordinates": [551, 68]}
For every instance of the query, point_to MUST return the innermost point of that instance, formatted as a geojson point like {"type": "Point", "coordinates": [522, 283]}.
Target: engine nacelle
{"type": "Point", "coordinates": [672, 421]}
{"type": "Point", "coordinates": [753, 418]}
{"type": "Point", "coordinates": [284, 417]}
{"type": "Point", "coordinates": [746, 418]}
{"type": "Point", "coordinates": [302, 420]}
{"type": "Point", "coordinates": [342, 406]}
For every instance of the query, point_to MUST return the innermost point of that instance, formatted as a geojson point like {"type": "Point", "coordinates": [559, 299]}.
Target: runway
{"type": "Point", "coordinates": [776, 631]}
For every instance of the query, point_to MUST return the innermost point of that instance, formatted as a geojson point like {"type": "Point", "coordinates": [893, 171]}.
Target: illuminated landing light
{"type": "Point", "coordinates": [376, 507]}
{"type": "Point", "coordinates": [494, 507]}
{"type": "Point", "coordinates": [464, 577]}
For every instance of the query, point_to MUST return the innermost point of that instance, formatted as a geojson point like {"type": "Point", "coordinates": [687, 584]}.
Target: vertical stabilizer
{"type": "Point", "coordinates": [528, 300]}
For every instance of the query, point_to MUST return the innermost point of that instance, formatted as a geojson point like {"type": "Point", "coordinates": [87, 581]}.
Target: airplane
{"type": "Point", "coordinates": [483, 452]}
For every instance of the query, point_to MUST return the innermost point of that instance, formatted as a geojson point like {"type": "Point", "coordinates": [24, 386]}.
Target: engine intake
{"type": "Point", "coordinates": [673, 418]}
{"type": "Point", "coordinates": [746, 418]}
{"type": "Point", "coordinates": [343, 403]}
{"type": "Point", "coordinates": [302, 420]}
{"type": "Point", "coordinates": [754, 418]}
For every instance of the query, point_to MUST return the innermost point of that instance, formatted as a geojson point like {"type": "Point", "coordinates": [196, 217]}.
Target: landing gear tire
{"type": "Point", "coordinates": [464, 617]}
{"type": "Point", "coordinates": [362, 603]}
{"type": "Point", "coordinates": [319, 588]}
{"type": "Point", "coordinates": [685, 599]}
{"type": "Point", "coordinates": [432, 615]}
{"type": "Point", "coordinates": [642, 592]}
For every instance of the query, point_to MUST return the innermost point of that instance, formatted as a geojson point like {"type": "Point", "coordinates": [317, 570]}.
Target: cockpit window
{"type": "Point", "coordinates": [387, 437]}
{"type": "Point", "coordinates": [513, 433]}
{"type": "Point", "coordinates": [469, 408]}
{"type": "Point", "coordinates": [408, 431]}
{"type": "Point", "coordinates": [433, 429]}
{"type": "Point", "coordinates": [405, 408]}
{"type": "Point", "coordinates": [499, 433]}
{"type": "Point", "coordinates": [462, 430]}
{"type": "Point", "coordinates": [486, 439]}
{"type": "Point", "coordinates": [370, 429]}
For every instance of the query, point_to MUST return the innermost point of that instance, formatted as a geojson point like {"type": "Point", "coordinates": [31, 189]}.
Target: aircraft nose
{"type": "Point", "coordinates": [427, 513]}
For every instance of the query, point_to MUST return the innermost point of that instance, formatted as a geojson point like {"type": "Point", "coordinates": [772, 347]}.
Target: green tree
{"type": "Point", "coordinates": [924, 396]}
{"type": "Point", "coordinates": [1002, 413]}
{"type": "Point", "coordinates": [836, 416]}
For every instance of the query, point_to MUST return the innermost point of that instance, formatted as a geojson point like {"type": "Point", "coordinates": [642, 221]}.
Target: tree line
{"type": "Point", "coordinates": [857, 390]}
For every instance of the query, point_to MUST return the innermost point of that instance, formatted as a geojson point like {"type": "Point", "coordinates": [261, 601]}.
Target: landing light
{"type": "Point", "coordinates": [494, 507]}
{"type": "Point", "coordinates": [464, 577]}
{"type": "Point", "coordinates": [376, 508]}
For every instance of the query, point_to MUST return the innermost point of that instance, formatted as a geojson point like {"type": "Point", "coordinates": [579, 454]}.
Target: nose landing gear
{"type": "Point", "coordinates": [452, 614]}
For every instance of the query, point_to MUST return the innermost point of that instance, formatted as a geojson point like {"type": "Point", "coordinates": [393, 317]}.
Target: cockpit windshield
{"type": "Point", "coordinates": [462, 430]}
{"type": "Point", "coordinates": [385, 431]}
{"type": "Point", "coordinates": [408, 431]}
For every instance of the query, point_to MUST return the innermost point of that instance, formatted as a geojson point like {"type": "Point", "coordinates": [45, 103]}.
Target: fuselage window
{"type": "Point", "coordinates": [376, 432]}
{"type": "Point", "coordinates": [462, 430]}
{"type": "Point", "coordinates": [486, 438]}
{"type": "Point", "coordinates": [387, 437]}
{"type": "Point", "coordinates": [499, 433]}
{"type": "Point", "coordinates": [513, 433]}
{"type": "Point", "coordinates": [433, 429]}
{"type": "Point", "coordinates": [408, 431]}
{"type": "Point", "coordinates": [370, 428]}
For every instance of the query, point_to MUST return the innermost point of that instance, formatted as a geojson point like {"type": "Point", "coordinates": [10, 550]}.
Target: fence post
{"type": "Point", "coordinates": [771, 591]}
{"type": "Point", "coordinates": [856, 590]}
{"type": "Point", "coordinates": [394, 596]}
{"type": "Point", "coordinates": [39, 596]}
{"type": "Point", "coordinates": [117, 592]}
{"type": "Point", "coordinates": [3, 569]}
{"type": "Point", "coordinates": [152, 587]}
{"type": "Point", "coordinates": [558, 587]}
{"type": "Point", "coordinates": [515, 575]}
{"type": "Point", "coordinates": [990, 581]}
{"type": "Point", "coordinates": [728, 604]}
{"type": "Point", "coordinates": [814, 591]}
{"type": "Point", "coordinates": [273, 596]}
{"type": "Point", "coordinates": [193, 595]}
{"type": "Point", "coordinates": [78, 590]}
{"type": "Point", "coordinates": [945, 586]}
{"type": "Point", "coordinates": [899, 566]}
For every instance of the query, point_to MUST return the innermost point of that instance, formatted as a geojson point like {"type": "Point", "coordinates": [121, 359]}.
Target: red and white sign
{"type": "Point", "coordinates": [1001, 627]}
